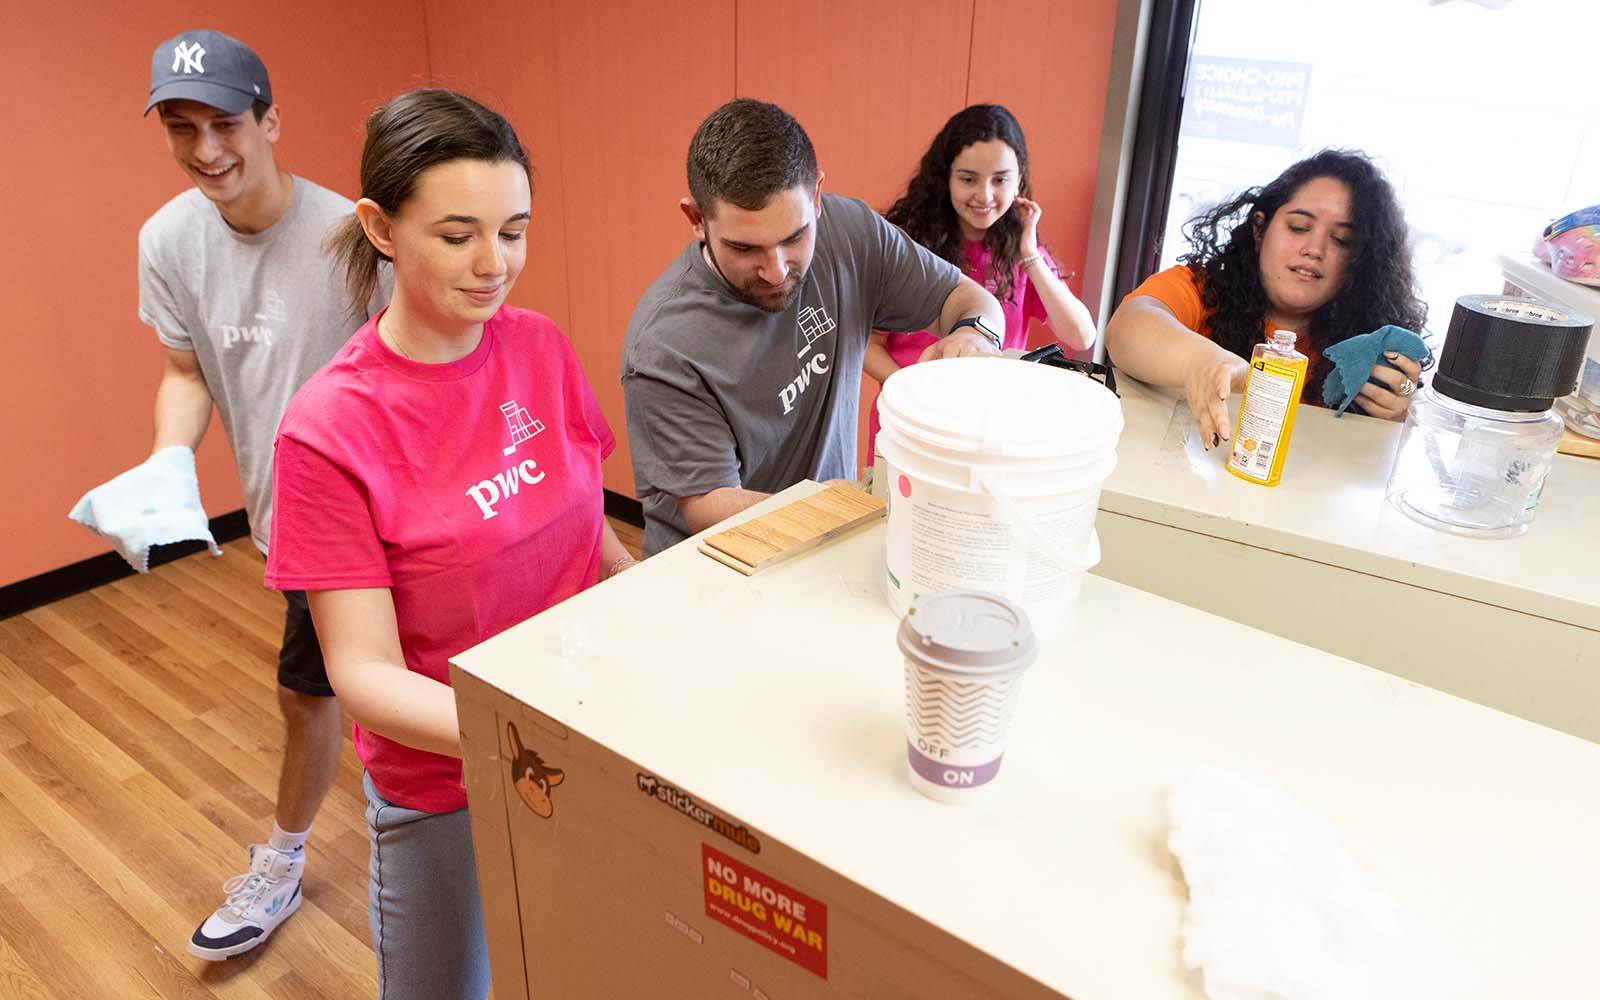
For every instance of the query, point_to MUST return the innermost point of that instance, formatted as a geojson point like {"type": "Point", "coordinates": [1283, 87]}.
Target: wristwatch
{"type": "Point", "coordinates": [981, 325]}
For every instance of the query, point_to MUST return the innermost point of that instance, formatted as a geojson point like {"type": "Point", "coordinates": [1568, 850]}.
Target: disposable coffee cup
{"type": "Point", "coordinates": [966, 651]}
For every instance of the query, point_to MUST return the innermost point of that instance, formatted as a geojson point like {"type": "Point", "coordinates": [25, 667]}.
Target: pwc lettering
{"type": "Point", "coordinates": [818, 365]}
{"type": "Point", "coordinates": [504, 485]}
{"type": "Point", "coordinates": [248, 334]}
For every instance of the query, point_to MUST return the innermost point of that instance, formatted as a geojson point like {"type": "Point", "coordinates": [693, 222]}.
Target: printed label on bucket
{"type": "Point", "coordinates": [943, 539]}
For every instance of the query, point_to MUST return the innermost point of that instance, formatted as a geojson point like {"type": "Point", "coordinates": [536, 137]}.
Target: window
{"type": "Point", "coordinates": [1484, 114]}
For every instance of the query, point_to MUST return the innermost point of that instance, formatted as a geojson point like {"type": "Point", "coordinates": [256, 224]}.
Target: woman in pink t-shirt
{"type": "Point", "coordinates": [438, 482]}
{"type": "Point", "coordinates": [969, 203]}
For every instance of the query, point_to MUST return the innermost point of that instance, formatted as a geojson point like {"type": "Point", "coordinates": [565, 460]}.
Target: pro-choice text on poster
{"type": "Point", "coordinates": [1257, 101]}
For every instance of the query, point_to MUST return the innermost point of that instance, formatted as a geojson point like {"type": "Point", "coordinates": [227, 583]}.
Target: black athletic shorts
{"type": "Point", "coordinates": [300, 666]}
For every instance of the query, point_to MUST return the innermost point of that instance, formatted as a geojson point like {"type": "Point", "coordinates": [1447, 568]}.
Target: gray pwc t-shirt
{"type": "Point", "coordinates": [262, 312]}
{"type": "Point", "coordinates": [721, 393]}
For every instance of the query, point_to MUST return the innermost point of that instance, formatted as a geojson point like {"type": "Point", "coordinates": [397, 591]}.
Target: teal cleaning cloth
{"type": "Point", "coordinates": [1354, 359]}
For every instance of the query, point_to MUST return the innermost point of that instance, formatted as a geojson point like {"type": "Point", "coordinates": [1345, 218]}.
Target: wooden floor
{"type": "Point", "coordinates": [139, 750]}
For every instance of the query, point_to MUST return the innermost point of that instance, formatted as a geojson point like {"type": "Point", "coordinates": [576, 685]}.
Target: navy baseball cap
{"type": "Point", "coordinates": [209, 67]}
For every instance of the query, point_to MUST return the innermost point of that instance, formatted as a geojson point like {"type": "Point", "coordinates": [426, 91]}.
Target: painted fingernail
{"type": "Point", "coordinates": [1391, 355]}
{"type": "Point", "coordinates": [1216, 439]}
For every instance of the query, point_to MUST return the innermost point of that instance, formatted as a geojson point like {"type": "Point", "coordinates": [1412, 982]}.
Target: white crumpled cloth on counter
{"type": "Point", "coordinates": [1279, 909]}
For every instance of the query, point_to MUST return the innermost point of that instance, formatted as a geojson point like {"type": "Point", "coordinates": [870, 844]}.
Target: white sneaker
{"type": "Point", "coordinates": [258, 901]}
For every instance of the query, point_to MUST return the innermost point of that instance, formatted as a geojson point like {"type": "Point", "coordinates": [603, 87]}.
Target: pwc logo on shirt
{"type": "Point", "coordinates": [272, 309]}
{"type": "Point", "coordinates": [488, 493]}
{"type": "Point", "coordinates": [814, 323]}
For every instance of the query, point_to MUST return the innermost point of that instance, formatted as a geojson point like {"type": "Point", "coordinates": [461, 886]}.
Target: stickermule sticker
{"type": "Point", "coordinates": [778, 917]}
{"type": "Point", "coordinates": [682, 801]}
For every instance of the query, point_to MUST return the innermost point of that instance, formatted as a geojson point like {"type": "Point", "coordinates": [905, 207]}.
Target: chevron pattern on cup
{"type": "Point", "coordinates": [959, 714]}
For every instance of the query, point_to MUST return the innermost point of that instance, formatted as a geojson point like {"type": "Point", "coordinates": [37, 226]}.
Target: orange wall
{"type": "Point", "coordinates": [605, 96]}
{"type": "Point", "coordinates": [605, 101]}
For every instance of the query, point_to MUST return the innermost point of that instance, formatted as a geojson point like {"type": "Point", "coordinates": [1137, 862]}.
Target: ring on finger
{"type": "Point", "coordinates": [1406, 388]}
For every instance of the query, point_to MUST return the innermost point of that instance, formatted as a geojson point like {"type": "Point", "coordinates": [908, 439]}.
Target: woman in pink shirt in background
{"type": "Point", "coordinates": [438, 482]}
{"type": "Point", "coordinates": [969, 202]}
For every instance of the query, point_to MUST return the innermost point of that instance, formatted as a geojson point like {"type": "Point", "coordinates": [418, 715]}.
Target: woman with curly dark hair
{"type": "Point", "coordinates": [1321, 251]}
{"type": "Point", "coordinates": [970, 202]}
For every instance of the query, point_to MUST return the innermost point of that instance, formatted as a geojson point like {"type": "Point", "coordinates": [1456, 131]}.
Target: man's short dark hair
{"type": "Point", "coordinates": [747, 151]}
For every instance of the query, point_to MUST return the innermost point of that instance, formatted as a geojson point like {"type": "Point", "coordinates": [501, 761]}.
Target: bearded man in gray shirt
{"type": "Point", "coordinates": [741, 368]}
{"type": "Point", "coordinates": [246, 307]}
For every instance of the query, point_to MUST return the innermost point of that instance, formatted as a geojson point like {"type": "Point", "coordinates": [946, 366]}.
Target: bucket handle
{"type": "Point", "coordinates": [1044, 545]}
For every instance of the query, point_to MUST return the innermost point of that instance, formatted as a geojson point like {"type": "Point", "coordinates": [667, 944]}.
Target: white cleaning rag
{"type": "Point", "coordinates": [1280, 910]}
{"type": "Point", "coordinates": [156, 503]}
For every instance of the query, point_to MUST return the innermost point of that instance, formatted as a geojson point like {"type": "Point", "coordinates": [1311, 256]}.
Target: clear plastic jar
{"type": "Point", "coordinates": [1470, 469]}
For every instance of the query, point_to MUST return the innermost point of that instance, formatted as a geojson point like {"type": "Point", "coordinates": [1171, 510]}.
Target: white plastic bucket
{"type": "Point", "coordinates": [994, 469]}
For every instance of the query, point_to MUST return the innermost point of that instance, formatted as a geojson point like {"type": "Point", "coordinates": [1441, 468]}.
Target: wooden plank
{"type": "Point", "coordinates": [10, 736]}
{"type": "Point", "coordinates": [167, 754]}
{"type": "Point", "coordinates": [84, 897]}
{"type": "Point", "coordinates": [53, 723]}
{"type": "Point", "coordinates": [18, 689]}
{"type": "Point", "coordinates": [17, 978]}
{"type": "Point", "coordinates": [727, 560]}
{"type": "Point", "coordinates": [203, 637]}
{"type": "Point", "coordinates": [155, 834]}
{"type": "Point", "coordinates": [36, 654]}
{"type": "Point", "coordinates": [224, 636]}
{"type": "Point", "coordinates": [793, 528]}
{"type": "Point", "coordinates": [50, 958]}
{"type": "Point", "coordinates": [154, 694]}
{"type": "Point", "coordinates": [244, 610]}
{"type": "Point", "coordinates": [1576, 444]}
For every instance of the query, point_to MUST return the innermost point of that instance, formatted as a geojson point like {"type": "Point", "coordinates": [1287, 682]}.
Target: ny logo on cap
{"type": "Point", "coordinates": [188, 55]}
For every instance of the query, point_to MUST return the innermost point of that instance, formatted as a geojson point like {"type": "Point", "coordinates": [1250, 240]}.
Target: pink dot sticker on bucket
{"type": "Point", "coordinates": [905, 486]}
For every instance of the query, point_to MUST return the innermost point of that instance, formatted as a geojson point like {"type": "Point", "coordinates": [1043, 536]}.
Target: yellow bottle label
{"type": "Point", "coordinates": [1266, 418]}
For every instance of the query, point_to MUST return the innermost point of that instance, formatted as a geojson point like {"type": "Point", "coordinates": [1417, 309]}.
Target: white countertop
{"type": "Point", "coordinates": [1534, 276]}
{"type": "Point", "coordinates": [779, 699]}
{"type": "Point", "coordinates": [1330, 508]}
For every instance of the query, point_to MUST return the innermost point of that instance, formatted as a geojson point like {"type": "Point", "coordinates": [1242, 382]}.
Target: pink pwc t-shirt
{"type": "Point", "coordinates": [1024, 304]}
{"type": "Point", "coordinates": [472, 490]}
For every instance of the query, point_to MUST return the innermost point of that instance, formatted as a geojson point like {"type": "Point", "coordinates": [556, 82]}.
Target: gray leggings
{"type": "Point", "coordinates": [422, 903]}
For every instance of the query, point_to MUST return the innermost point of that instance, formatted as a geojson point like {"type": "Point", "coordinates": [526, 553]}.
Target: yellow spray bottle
{"type": "Point", "coordinates": [1266, 416]}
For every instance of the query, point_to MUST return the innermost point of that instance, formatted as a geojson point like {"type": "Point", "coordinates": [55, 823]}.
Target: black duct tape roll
{"type": "Point", "coordinates": [1511, 353]}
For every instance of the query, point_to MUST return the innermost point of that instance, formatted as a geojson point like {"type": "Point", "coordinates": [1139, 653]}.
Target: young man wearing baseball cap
{"type": "Point", "coordinates": [233, 279]}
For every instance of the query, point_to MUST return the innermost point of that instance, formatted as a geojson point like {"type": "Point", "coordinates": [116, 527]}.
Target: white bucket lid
{"type": "Point", "coordinates": [1001, 406]}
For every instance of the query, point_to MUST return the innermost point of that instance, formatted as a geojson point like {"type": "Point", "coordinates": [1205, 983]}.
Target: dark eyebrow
{"type": "Point", "coordinates": [215, 115]}
{"type": "Point", "coordinates": [472, 220]}
{"type": "Point", "coordinates": [736, 245]}
{"type": "Point", "coordinates": [1313, 215]}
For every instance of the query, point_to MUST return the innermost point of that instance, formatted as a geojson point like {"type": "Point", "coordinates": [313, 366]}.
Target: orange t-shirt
{"type": "Point", "coordinates": [1178, 288]}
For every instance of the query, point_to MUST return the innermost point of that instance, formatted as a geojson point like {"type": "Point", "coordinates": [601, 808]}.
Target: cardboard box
{"type": "Point", "coordinates": [605, 878]}
{"type": "Point", "coordinates": [706, 797]}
